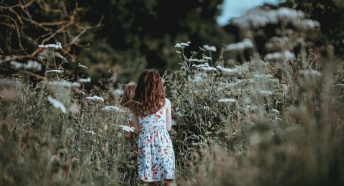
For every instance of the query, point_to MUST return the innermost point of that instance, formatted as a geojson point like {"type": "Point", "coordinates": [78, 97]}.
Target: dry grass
{"type": "Point", "coordinates": [280, 124]}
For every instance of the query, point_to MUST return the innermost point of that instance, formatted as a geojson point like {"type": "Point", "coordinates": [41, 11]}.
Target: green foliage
{"type": "Point", "coordinates": [119, 33]}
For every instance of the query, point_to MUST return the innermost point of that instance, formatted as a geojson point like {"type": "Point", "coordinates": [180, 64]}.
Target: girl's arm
{"type": "Point", "coordinates": [168, 115]}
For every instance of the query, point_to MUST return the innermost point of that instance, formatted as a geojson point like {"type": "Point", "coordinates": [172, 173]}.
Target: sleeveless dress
{"type": "Point", "coordinates": [155, 161]}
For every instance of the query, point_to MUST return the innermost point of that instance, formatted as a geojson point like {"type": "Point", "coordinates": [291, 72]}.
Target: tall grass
{"type": "Point", "coordinates": [256, 123]}
{"type": "Point", "coordinates": [259, 123]}
{"type": "Point", "coordinates": [281, 124]}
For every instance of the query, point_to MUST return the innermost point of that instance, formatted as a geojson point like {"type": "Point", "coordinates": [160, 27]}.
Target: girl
{"type": "Point", "coordinates": [128, 94]}
{"type": "Point", "coordinates": [152, 121]}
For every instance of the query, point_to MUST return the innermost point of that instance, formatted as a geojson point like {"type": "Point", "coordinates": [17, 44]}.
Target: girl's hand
{"type": "Point", "coordinates": [173, 132]}
{"type": "Point", "coordinates": [131, 136]}
{"type": "Point", "coordinates": [128, 136]}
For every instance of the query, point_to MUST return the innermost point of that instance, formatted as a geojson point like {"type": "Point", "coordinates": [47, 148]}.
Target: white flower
{"type": "Point", "coordinates": [89, 132]}
{"type": "Point", "coordinates": [206, 108]}
{"type": "Point", "coordinates": [286, 55]}
{"type": "Point", "coordinates": [262, 76]}
{"type": "Point", "coordinates": [207, 58]}
{"type": "Point", "coordinates": [34, 65]}
{"type": "Point", "coordinates": [264, 92]}
{"type": "Point", "coordinates": [55, 71]}
{"type": "Point", "coordinates": [275, 111]}
{"type": "Point", "coordinates": [197, 60]}
{"type": "Point", "coordinates": [205, 67]}
{"type": "Point", "coordinates": [112, 109]}
{"type": "Point", "coordinates": [87, 80]}
{"type": "Point", "coordinates": [57, 104]}
{"type": "Point", "coordinates": [251, 108]}
{"type": "Point", "coordinates": [234, 71]}
{"type": "Point", "coordinates": [127, 128]}
{"type": "Point", "coordinates": [244, 44]}
{"type": "Point", "coordinates": [310, 72]}
{"type": "Point", "coordinates": [182, 45]}
{"type": "Point", "coordinates": [82, 66]}
{"type": "Point", "coordinates": [210, 48]}
{"type": "Point", "coordinates": [227, 100]}
{"type": "Point", "coordinates": [55, 46]}
{"type": "Point", "coordinates": [118, 92]}
{"type": "Point", "coordinates": [285, 89]}
{"type": "Point", "coordinates": [95, 98]}
{"type": "Point", "coordinates": [64, 83]}
{"type": "Point", "coordinates": [198, 78]}
{"type": "Point", "coordinates": [309, 24]}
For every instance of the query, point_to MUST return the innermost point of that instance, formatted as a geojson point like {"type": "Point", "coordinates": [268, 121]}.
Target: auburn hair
{"type": "Point", "coordinates": [149, 94]}
{"type": "Point", "coordinates": [128, 93]}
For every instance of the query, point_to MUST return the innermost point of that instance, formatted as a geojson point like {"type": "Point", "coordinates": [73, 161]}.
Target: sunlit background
{"type": "Point", "coordinates": [236, 8]}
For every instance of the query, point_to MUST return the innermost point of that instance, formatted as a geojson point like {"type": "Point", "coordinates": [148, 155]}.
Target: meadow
{"type": "Point", "coordinates": [274, 119]}
{"type": "Point", "coordinates": [258, 123]}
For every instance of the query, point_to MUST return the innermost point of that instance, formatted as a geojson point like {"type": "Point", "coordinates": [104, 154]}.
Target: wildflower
{"type": "Point", "coordinates": [286, 55]}
{"type": "Point", "coordinates": [74, 109]}
{"type": "Point", "coordinates": [275, 111]}
{"type": "Point", "coordinates": [34, 65]}
{"type": "Point", "coordinates": [210, 48]}
{"type": "Point", "coordinates": [264, 92]}
{"type": "Point", "coordinates": [127, 128]}
{"type": "Point", "coordinates": [182, 45]}
{"type": "Point", "coordinates": [234, 71]}
{"type": "Point", "coordinates": [309, 24]}
{"type": "Point", "coordinates": [54, 46]}
{"type": "Point", "coordinates": [57, 104]}
{"type": "Point", "coordinates": [95, 98]}
{"type": "Point", "coordinates": [205, 67]}
{"type": "Point", "coordinates": [285, 89]}
{"type": "Point", "coordinates": [83, 80]}
{"type": "Point", "coordinates": [206, 108]}
{"type": "Point", "coordinates": [207, 58]}
{"type": "Point", "coordinates": [198, 78]}
{"type": "Point", "coordinates": [55, 71]}
{"type": "Point", "coordinates": [89, 132]}
{"type": "Point", "coordinates": [112, 108]}
{"type": "Point", "coordinates": [118, 92]}
{"type": "Point", "coordinates": [197, 60]}
{"type": "Point", "coordinates": [64, 83]}
{"type": "Point", "coordinates": [262, 77]}
{"type": "Point", "coordinates": [240, 46]}
{"type": "Point", "coordinates": [310, 72]}
{"type": "Point", "coordinates": [82, 66]}
{"type": "Point", "coordinates": [227, 100]}
{"type": "Point", "coordinates": [251, 108]}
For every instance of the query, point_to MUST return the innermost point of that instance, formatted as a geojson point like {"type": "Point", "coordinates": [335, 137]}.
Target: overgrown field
{"type": "Point", "coordinates": [259, 123]}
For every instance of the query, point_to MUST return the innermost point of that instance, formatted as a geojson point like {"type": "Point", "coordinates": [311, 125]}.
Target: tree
{"type": "Point", "coordinates": [330, 15]}
{"type": "Point", "coordinates": [151, 28]}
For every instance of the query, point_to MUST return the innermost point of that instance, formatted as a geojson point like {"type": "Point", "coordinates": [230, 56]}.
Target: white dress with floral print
{"type": "Point", "coordinates": [155, 159]}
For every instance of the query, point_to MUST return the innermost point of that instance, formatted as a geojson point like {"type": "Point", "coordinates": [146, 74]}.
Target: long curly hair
{"type": "Point", "coordinates": [149, 94]}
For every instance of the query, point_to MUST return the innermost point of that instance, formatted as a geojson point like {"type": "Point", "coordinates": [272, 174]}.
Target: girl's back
{"type": "Point", "coordinates": [155, 150]}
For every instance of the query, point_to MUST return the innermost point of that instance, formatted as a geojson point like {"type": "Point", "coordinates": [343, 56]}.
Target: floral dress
{"type": "Point", "coordinates": [155, 159]}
